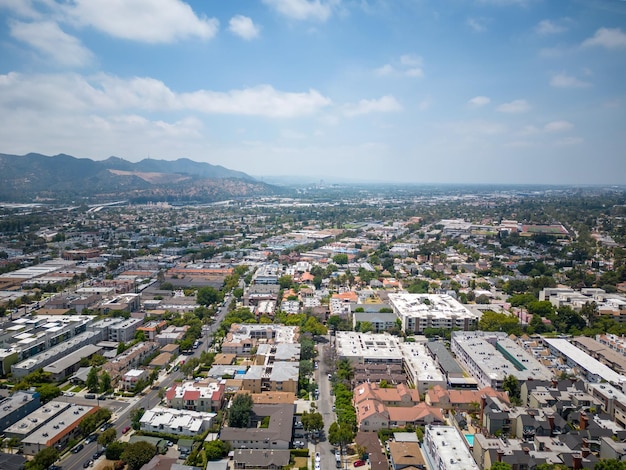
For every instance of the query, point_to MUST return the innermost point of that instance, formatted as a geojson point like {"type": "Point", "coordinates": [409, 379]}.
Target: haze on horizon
{"type": "Point", "coordinates": [478, 91]}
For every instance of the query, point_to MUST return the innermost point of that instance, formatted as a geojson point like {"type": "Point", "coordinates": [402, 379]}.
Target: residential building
{"type": "Point", "coordinates": [124, 332]}
{"type": "Point", "coordinates": [368, 347]}
{"type": "Point", "coordinates": [421, 369]}
{"type": "Point", "coordinates": [179, 422]}
{"type": "Point", "coordinates": [59, 431]}
{"type": "Point", "coordinates": [491, 356]}
{"type": "Point", "coordinates": [36, 419]}
{"type": "Point", "coordinates": [17, 406]}
{"type": "Point", "coordinates": [196, 396]}
{"type": "Point", "coordinates": [67, 365]}
{"type": "Point", "coordinates": [418, 312]}
{"type": "Point", "coordinates": [445, 449]}
{"type": "Point", "coordinates": [276, 436]}
{"type": "Point", "coordinates": [132, 377]}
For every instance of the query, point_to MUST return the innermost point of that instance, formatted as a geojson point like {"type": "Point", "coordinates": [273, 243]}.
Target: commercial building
{"type": "Point", "coordinates": [420, 311]}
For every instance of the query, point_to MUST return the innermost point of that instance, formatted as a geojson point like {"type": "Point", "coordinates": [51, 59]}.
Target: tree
{"type": "Point", "coordinates": [501, 466]}
{"type": "Point", "coordinates": [47, 392]}
{"type": "Point", "coordinates": [208, 295]}
{"type": "Point", "coordinates": [215, 450]}
{"type": "Point", "coordinates": [340, 434]}
{"type": "Point", "coordinates": [610, 464]}
{"type": "Point", "coordinates": [493, 321]}
{"type": "Point", "coordinates": [285, 282]}
{"type": "Point", "coordinates": [115, 449]}
{"type": "Point", "coordinates": [190, 366]}
{"type": "Point", "coordinates": [92, 380]}
{"type": "Point", "coordinates": [340, 258]}
{"type": "Point", "coordinates": [43, 459]}
{"type": "Point", "coordinates": [105, 382]}
{"type": "Point", "coordinates": [107, 436]}
{"type": "Point", "coordinates": [312, 421]}
{"type": "Point", "coordinates": [138, 454]}
{"type": "Point", "coordinates": [240, 411]}
{"type": "Point", "coordinates": [135, 417]}
{"type": "Point", "coordinates": [313, 326]}
{"type": "Point", "coordinates": [511, 385]}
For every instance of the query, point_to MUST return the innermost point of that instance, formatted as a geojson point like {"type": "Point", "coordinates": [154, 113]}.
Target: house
{"type": "Point", "coordinates": [272, 459]}
{"type": "Point", "coordinates": [406, 455]}
{"type": "Point", "coordinates": [276, 436]}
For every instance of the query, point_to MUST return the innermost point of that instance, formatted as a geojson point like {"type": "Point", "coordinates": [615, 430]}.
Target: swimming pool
{"type": "Point", "coordinates": [470, 439]}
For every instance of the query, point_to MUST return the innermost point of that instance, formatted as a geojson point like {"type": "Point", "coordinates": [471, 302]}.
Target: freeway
{"type": "Point", "coordinates": [122, 409]}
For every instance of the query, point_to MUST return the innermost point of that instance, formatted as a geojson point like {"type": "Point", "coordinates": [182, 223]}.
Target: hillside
{"type": "Point", "coordinates": [64, 178]}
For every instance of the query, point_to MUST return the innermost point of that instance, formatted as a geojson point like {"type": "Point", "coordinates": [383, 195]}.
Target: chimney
{"type": "Point", "coordinates": [551, 423]}
{"type": "Point", "coordinates": [577, 462]}
{"type": "Point", "coordinates": [526, 450]}
{"type": "Point", "coordinates": [583, 421]}
{"type": "Point", "coordinates": [483, 403]}
{"type": "Point", "coordinates": [585, 452]}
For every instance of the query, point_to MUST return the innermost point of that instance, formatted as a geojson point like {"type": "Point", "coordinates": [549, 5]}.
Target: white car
{"type": "Point", "coordinates": [317, 466]}
{"type": "Point", "coordinates": [317, 457]}
{"type": "Point", "coordinates": [69, 394]}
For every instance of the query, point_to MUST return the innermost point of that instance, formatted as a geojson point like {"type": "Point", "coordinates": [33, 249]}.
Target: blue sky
{"type": "Point", "coordinates": [453, 91]}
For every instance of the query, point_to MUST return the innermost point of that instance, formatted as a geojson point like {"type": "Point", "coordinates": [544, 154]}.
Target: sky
{"type": "Point", "coordinates": [400, 91]}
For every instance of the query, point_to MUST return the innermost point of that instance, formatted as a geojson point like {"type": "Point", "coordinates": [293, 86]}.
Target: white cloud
{"type": "Point", "coordinates": [478, 25]}
{"type": "Point", "coordinates": [386, 69]}
{"type": "Point", "coordinates": [386, 104]}
{"type": "Point", "coordinates": [301, 9]}
{"type": "Point", "coordinates": [411, 60]}
{"type": "Point", "coordinates": [150, 21]}
{"type": "Point", "coordinates": [22, 8]}
{"type": "Point", "coordinates": [611, 38]}
{"type": "Point", "coordinates": [54, 44]}
{"type": "Point", "coordinates": [409, 65]}
{"type": "Point", "coordinates": [479, 101]}
{"type": "Point", "coordinates": [243, 27]}
{"type": "Point", "coordinates": [514, 107]}
{"type": "Point", "coordinates": [546, 27]}
{"type": "Point", "coordinates": [569, 141]}
{"type": "Point", "coordinates": [106, 94]}
{"type": "Point", "coordinates": [562, 80]}
{"type": "Point", "coordinates": [558, 126]}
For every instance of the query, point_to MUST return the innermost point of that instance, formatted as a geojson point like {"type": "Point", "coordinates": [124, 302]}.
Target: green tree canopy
{"type": "Point", "coordinates": [340, 258]}
{"type": "Point", "coordinates": [208, 295]}
{"type": "Point", "coordinates": [115, 449]}
{"type": "Point", "coordinates": [43, 459]}
{"type": "Point", "coordinates": [240, 411]}
{"type": "Point", "coordinates": [138, 454]}
{"type": "Point", "coordinates": [107, 436]}
{"type": "Point", "coordinates": [493, 321]}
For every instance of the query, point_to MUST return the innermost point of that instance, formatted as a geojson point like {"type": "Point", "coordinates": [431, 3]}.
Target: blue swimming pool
{"type": "Point", "coordinates": [470, 439]}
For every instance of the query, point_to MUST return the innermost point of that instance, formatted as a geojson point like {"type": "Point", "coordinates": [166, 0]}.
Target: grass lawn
{"type": "Point", "coordinates": [300, 462]}
{"type": "Point", "coordinates": [78, 388]}
{"type": "Point", "coordinates": [66, 387]}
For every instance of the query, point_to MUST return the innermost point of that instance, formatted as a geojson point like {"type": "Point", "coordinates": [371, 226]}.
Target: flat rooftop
{"type": "Point", "coordinates": [430, 305]}
{"type": "Point", "coordinates": [369, 347]}
{"type": "Point", "coordinates": [448, 443]}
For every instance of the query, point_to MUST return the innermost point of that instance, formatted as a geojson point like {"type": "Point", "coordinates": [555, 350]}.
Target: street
{"type": "Point", "coordinates": [325, 403]}
{"type": "Point", "coordinates": [122, 409]}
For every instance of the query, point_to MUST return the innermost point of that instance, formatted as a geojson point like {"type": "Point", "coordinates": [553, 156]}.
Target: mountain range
{"type": "Point", "coordinates": [63, 178]}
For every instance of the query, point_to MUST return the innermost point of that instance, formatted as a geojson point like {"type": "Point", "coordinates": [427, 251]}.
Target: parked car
{"type": "Point", "coordinates": [88, 464]}
{"type": "Point", "coordinates": [317, 457]}
{"type": "Point", "coordinates": [102, 397]}
{"type": "Point", "coordinates": [91, 438]}
{"type": "Point", "coordinates": [359, 463]}
{"type": "Point", "coordinates": [126, 429]}
{"type": "Point", "coordinates": [68, 394]}
{"type": "Point", "coordinates": [90, 396]}
{"type": "Point", "coordinates": [298, 445]}
{"type": "Point", "coordinates": [78, 448]}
